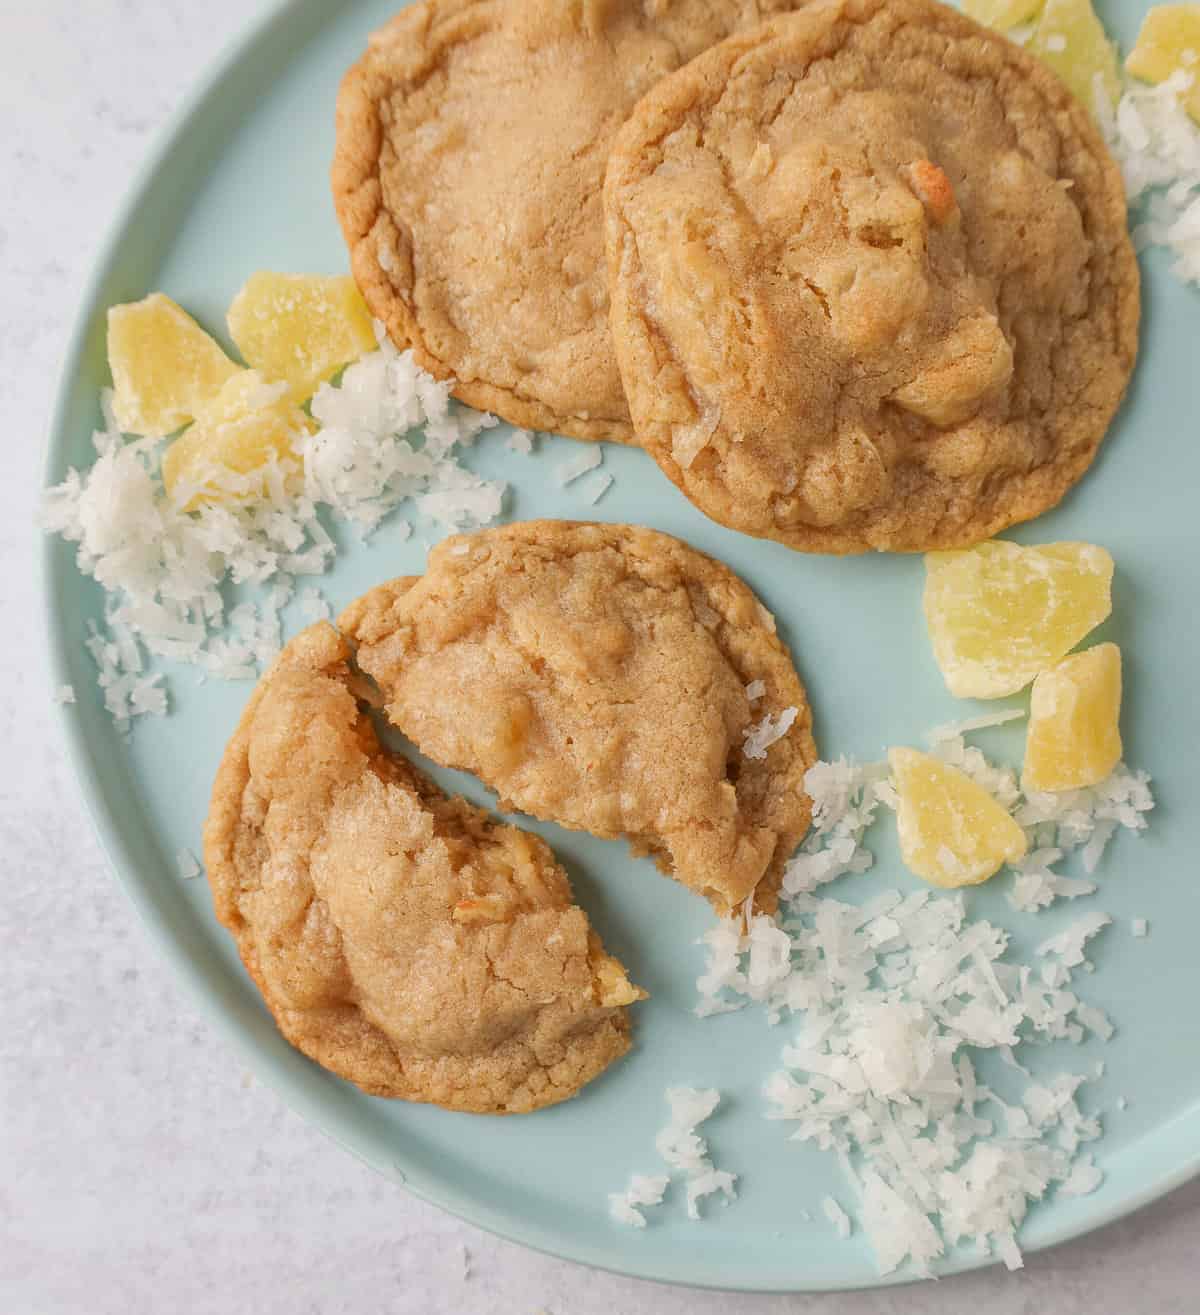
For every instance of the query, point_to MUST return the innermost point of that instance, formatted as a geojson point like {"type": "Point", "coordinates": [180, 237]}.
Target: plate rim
{"type": "Point", "coordinates": [181, 961]}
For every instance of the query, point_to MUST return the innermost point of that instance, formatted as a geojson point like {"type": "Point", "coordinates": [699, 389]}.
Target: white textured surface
{"type": "Point", "coordinates": [140, 1172]}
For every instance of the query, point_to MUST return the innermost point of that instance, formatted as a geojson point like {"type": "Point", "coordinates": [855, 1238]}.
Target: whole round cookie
{"type": "Point", "coordinates": [872, 283]}
{"type": "Point", "coordinates": [608, 678]}
{"type": "Point", "coordinates": [404, 940]}
{"type": "Point", "coordinates": [471, 143]}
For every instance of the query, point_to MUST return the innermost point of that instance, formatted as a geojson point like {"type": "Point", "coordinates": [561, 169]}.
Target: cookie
{"type": "Point", "coordinates": [596, 676]}
{"type": "Point", "coordinates": [406, 941]}
{"type": "Point", "coordinates": [872, 283]}
{"type": "Point", "coordinates": [471, 143]}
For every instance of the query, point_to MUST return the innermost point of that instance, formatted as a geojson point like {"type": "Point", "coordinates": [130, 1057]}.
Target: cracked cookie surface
{"type": "Point", "coordinates": [405, 940]}
{"type": "Point", "coordinates": [471, 143]}
{"type": "Point", "coordinates": [596, 676]}
{"type": "Point", "coordinates": [872, 283]}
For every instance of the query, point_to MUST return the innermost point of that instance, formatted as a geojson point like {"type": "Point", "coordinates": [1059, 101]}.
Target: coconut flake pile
{"type": "Point", "coordinates": [1157, 146]}
{"type": "Point", "coordinates": [389, 432]}
{"type": "Point", "coordinates": [895, 997]}
{"type": "Point", "coordinates": [685, 1153]}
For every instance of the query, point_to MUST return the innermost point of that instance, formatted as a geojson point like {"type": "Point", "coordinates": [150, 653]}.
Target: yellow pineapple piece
{"type": "Point", "coordinates": [164, 366]}
{"type": "Point", "coordinates": [246, 424]}
{"type": "Point", "coordinates": [1001, 14]}
{"type": "Point", "coordinates": [999, 613]}
{"type": "Point", "coordinates": [1074, 714]}
{"type": "Point", "coordinates": [1072, 41]}
{"type": "Point", "coordinates": [1169, 41]}
{"type": "Point", "coordinates": [610, 982]}
{"type": "Point", "coordinates": [302, 328]}
{"type": "Point", "coordinates": [952, 832]}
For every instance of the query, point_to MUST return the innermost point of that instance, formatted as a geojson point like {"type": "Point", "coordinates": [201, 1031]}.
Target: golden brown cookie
{"type": "Point", "coordinates": [471, 143]}
{"type": "Point", "coordinates": [872, 284]}
{"type": "Point", "coordinates": [406, 941]}
{"type": "Point", "coordinates": [596, 676]}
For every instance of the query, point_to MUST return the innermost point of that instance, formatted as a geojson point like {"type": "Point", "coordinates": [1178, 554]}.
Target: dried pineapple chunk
{"type": "Point", "coordinates": [302, 328]}
{"type": "Point", "coordinates": [999, 613]}
{"type": "Point", "coordinates": [164, 366]}
{"type": "Point", "coordinates": [1169, 41]}
{"type": "Point", "coordinates": [952, 832]}
{"type": "Point", "coordinates": [1072, 41]}
{"type": "Point", "coordinates": [249, 422]}
{"type": "Point", "coordinates": [610, 983]}
{"type": "Point", "coordinates": [1074, 735]}
{"type": "Point", "coordinates": [1001, 14]}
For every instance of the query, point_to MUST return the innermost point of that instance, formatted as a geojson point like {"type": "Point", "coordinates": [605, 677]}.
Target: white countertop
{"type": "Point", "coordinates": [141, 1170]}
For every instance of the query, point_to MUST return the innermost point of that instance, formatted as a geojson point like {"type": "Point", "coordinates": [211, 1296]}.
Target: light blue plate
{"type": "Point", "coordinates": [239, 184]}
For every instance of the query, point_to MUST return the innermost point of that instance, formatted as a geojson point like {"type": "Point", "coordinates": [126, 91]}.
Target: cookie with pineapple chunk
{"type": "Point", "coordinates": [471, 142]}
{"type": "Point", "coordinates": [608, 678]}
{"type": "Point", "coordinates": [872, 286]}
{"type": "Point", "coordinates": [405, 940]}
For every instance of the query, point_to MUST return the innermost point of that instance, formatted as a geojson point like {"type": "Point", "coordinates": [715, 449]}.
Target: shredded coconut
{"type": "Point", "coordinates": [521, 442]}
{"type": "Point", "coordinates": [566, 472]}
{"type": "Point", "coordinates": [313, 606]}
{"type": "Point", "coordinates": [595, 488]}
{"type": "Point", "coordinates": [678, 1143]}
{"type": "Point", "coordinates": [189, 868]}
{"type": "Point", "coordinates": [954, 730]}
{"type": "Point", "coordinates": [685, 1152]}
{"type": "Point", "coordinates": [389, 432]}
{"type": "Point", "coordinates": [708, 1182]}
{"type": "Point", "coordinates": [1069, 945]}
{"type": "Point", "coordinates": [845, 796]}
{"type": "Point", "coordinates": [893, 998]}
{"type": "Point", "coordinates": [1139, 927]}
{"type": "Point", "coordinates": [755, 690]}
{"type": "Point", "coordinates": [1084, 1178]}
{"type": "Point", "coordinates": [643, 1190]}
{"type": "Point", "coordinates": [836, 1216]}
{"type": "Point", "coordinates": [1157, 146]}
{"type": "Point", "coordinates": [761, 736]}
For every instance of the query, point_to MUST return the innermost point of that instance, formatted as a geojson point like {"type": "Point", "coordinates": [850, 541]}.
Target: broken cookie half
{"type": "Point", "coordinates": [608, 678]}
{"type": "Point", "coordinates": [405, 940]}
